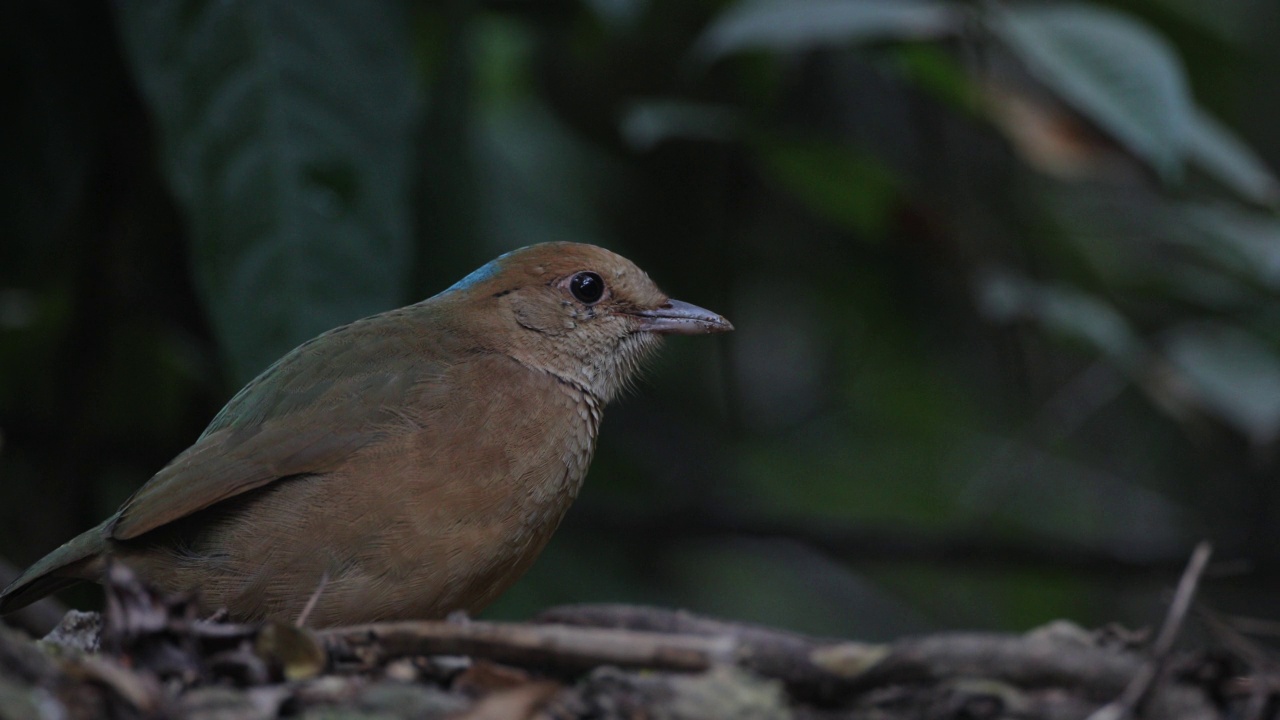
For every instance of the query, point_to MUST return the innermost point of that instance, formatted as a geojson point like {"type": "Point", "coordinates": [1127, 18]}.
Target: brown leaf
{"type": "Point", "coordinates": [517, 703]}
{"type": "Point", "coordinates": [485, 677]}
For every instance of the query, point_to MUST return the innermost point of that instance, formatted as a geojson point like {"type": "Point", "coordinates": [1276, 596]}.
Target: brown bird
{"type": "Point", "coordinates": [407, 465]}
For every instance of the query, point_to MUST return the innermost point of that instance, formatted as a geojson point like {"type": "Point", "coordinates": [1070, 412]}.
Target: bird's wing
{"type": "Point", "coordinates": [304, 415]}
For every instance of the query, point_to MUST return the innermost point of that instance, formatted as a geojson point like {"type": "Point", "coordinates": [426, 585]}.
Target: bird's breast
{"type": "Point", "coordinates": [495, 478]}
{"type": "Point", "coordinates": [491, 436]}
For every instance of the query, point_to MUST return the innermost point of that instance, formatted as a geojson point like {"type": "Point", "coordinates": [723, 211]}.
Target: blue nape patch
{"type": "Point", "coordinates": [484, 272]}
{"type": "Point", "coordinates": [479, 275]}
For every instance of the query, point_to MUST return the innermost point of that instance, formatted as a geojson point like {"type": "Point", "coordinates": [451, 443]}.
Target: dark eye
{"type": "Point", "coordinates": [587, 287]}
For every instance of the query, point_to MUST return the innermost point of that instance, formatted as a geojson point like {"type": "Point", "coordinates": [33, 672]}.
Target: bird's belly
{"type": "Point", "coordinates": [366, 555]}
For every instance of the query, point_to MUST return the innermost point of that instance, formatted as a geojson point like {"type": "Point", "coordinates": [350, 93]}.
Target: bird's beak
{"type": "Point", "coordinates": [681, 318]}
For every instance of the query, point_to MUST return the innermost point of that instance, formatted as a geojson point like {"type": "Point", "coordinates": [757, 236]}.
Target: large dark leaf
{"type": "Point", "coordinates": [286, 133]}
{"type": "Point", "coordinates": [1243, 242]}
{"type": "Point", "coordinates": [1233, 374]}
{"type": "Point", "coordinates": [1111, 68]}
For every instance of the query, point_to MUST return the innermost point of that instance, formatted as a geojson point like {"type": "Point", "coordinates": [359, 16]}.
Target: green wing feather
{"type": "Point", "coordinates": [306, 414]}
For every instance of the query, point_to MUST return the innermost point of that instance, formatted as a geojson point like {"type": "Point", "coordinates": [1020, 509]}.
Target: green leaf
{"type": "Point", "coordinates": [837, 182]}
{"type": "Point", "coordinates": [1063, 310]}
{"type": "Point", "coordinates": [1111, 68]}
{"type": "Point", "coordinates": [1245, 242]}
{"type": "Point", "coordinates": [1215, 149]}
{"type": "Point", "coordinates": [1234, 375]}
{"type": "Point", "coordinates": [791, 25]}
{"type": "Point", "coordinates": [286, 132]}
{"type": "Point", "coordinates": [940, 73]}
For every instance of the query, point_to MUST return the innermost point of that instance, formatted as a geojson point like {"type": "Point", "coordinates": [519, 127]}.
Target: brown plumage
{"type": "Point", "coordinates": [413, 462]}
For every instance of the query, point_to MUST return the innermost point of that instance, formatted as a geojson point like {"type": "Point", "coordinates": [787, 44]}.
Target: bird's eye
{"type": "Point", "coordinates": [587, 287]}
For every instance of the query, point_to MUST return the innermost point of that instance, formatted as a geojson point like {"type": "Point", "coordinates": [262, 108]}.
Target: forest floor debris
{"type": "Point", "coordinates": [150, 656]}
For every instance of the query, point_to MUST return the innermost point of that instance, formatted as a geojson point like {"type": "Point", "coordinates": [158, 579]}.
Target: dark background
{"type": "Point", "coordinates": [1004, 275]}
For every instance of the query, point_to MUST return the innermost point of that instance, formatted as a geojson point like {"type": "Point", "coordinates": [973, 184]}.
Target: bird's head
{"type": "Point", "coordinates": [580, 312]}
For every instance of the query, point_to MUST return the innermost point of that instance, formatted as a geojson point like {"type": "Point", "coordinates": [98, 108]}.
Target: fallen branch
{"type": "Point", "coordinates": [1056, 659]}
{"type": "Point", "coordinates": [594, 652]}
{"type": "Point", "coordinates": [546, 646]}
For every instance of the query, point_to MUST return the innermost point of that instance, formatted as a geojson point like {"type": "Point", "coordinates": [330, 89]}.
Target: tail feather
{"type": "Point", "coordinates": [79, 559]}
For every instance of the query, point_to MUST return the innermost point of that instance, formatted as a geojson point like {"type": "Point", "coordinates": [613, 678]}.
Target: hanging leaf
{"type": "Point", "coordinates": [1234, 375]}
{"type": "Point", "coordinates": [1065, 311]}
{"type": "Point", "coordinates": [1110, 68]}
{"type": "Point", "coordinates": [286, 131]}
{"type": "Point", "coordinates": [791, 25]}
{"type": "Point", "coordinates": [1247, 243]}
{"type": "Point", "coordinates": [1214, 148]}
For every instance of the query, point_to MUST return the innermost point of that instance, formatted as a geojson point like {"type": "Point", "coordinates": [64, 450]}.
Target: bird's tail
{"type": "Point", "coordinates": [79, 559]}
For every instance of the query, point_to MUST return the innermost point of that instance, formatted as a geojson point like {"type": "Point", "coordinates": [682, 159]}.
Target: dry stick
{"type": "Point", "coordinates": [549, 645]}
{"type": "Point", "coordinates": [1144, 681]}
{"type": "Point", "coordinates": [823, 671]}
{"type": "Point", "coordinates": [769, 652]}
{"type": "Point", "coordinates": [1037, 659]}
{"type": "Point", "coordinates": [311, 602]}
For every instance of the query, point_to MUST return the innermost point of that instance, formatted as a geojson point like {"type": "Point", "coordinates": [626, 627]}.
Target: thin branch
{"type": "Point", "coordinates": [827, 672]}
{"type": "Point", "coordinates": [554, 646]}
{"type": "Point", "coordinates": [311, 602]}
{"type": "Point", "coordinates": [1140, 688]}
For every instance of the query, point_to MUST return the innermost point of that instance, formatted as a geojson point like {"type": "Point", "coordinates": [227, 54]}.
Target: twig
{"type": "Point", "coordinates": [311, 602]}
{"type": "Point", "coordinates": [767, 651]}
{"type": "Point", "coordinates": [553, 646]}
{"type": "Point", "coordinates": [1144, 681]}
{"type": "Point", "coordinates": [823, 671]}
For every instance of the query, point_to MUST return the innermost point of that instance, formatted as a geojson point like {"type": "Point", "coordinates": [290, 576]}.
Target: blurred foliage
{"type": "Point", "coordinates": [1005, 274]}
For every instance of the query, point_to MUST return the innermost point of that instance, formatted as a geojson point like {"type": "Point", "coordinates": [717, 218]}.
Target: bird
{"type": "Point", "coordinates": [408, 465]}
